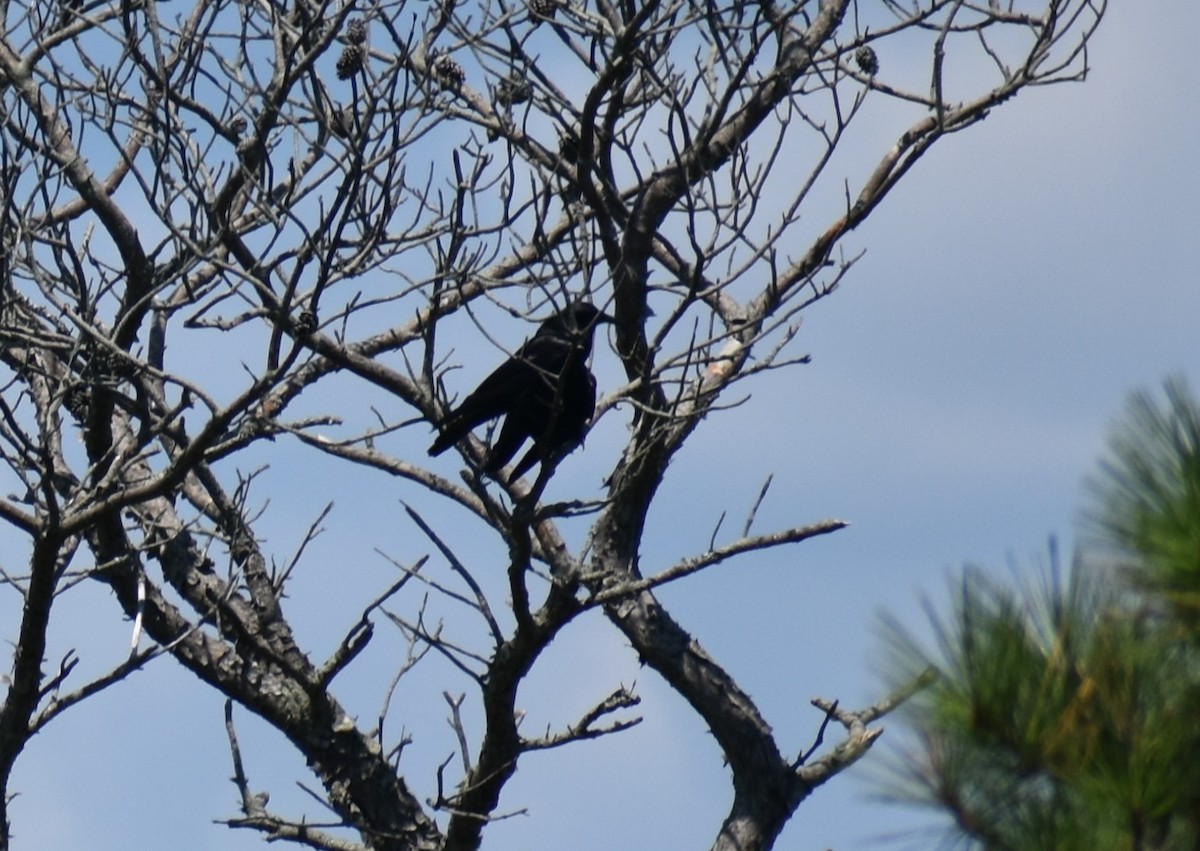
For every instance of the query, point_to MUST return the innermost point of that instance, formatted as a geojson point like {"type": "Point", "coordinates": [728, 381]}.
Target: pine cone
{"type": "Point", "coordinates": [448, 72]}
{"type": "Point", "coordinates": [867, 61]}
{"type": "Point", "coordinates": [356, 31]}
{"type": "Point", "coordinates": [543, 8]}
{"type": "Point", "coordinates": [77, 400]}
{"type": "Point", "coordinates": [568, 146]}
{"type": "Point", "coordinates": [513, 89]}
{"type": "Point", "coordinates": [350, 62]}
{"type": "Point", "coordinates": [306, 323]}
{"type": "Point", "coordinates": [106, 365]}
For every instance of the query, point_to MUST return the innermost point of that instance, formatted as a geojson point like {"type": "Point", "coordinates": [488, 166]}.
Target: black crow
{"type": "Point", "coordinates": [544, 392]}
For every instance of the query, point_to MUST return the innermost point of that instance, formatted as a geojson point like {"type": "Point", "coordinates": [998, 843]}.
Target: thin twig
{"type": "Point", "coordinates": [481, 602]}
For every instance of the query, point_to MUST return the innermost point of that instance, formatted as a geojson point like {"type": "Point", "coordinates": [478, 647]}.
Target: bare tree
{"type": "Point", "coordinates": [244, 231]}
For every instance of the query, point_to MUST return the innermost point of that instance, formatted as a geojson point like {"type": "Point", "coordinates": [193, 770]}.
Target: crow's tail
{"type": "Point", "coordinates": [452, 433]}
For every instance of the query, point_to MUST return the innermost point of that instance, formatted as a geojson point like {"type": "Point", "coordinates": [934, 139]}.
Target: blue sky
{"type": "Point", "coordinates": [1017, 286]}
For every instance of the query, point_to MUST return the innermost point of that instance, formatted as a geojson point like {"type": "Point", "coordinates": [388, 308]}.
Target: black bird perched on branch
{"type": "Point", "coordinates": [544, 392]}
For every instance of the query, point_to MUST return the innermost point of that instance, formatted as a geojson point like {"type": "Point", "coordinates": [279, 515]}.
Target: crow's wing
{"type": "Point", "coordinates": [563, 430]}
{"type": "Point", "coordinates": [512, 386]}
